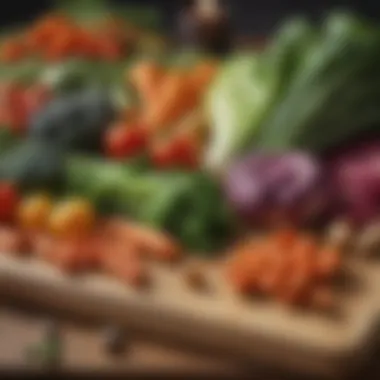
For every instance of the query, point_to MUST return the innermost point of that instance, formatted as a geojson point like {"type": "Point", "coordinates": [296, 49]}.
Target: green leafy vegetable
{"type": "Point", "coordinates": [248, 88]}
{"type": "Point", "coordinates": [335, 92]}
{"type": "Point", "coordinates": [33, 165]}
{"type": "Point", "coordinates": [188, 205]}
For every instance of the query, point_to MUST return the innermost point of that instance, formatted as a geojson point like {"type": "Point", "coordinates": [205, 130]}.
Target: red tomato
{"type": "Point", "coordinates": [13, 113]}
{"type": "Point", "coordinates": [162, 156]}
{"type": "Point", "coordinates": [185, 151]}
{"type": "Point", "coordinates": [122, 142]}
{"type": "Point", "coordinates": [178, 152]}
{"type": "Point", "coordinates": [9, 199]}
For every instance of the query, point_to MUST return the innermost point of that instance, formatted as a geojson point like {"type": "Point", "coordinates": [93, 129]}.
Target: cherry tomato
{"type": "Point", "coordinates": [34, 211]}
{"type": "Point", "coordinates": [9, 200]}
{"type": "Point", "coordinates": [122, 141]}
{"type": "Point", "coordinates": [72, 218]}
{"type": "Point", "coordinates": [162, 155]}
{"type": "Point", "coordinates": [185, 151]}
{"type": "Point", "coordinates": [180, 152]}
{"type": "Point", "coordinates": [13, 113]}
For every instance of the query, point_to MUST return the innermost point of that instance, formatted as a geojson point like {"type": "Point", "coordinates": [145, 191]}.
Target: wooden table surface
{"type": "Point", "coordinates": [22, 326]}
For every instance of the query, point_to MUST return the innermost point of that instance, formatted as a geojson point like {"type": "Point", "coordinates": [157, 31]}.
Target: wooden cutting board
{"type": "Point", "coordinates": [217, 319]}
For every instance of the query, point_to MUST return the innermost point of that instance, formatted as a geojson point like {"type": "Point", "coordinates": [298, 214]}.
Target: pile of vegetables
{"type": "Point", "coordinates": [187, 158]}
{"type": "Point", "coordinates": [311, 89]}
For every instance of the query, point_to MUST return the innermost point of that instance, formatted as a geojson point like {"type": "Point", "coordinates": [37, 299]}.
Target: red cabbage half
{"type": "Point", "coordinates": [355, 176]}
{"type": "Point", "coordinates": [288, 187]}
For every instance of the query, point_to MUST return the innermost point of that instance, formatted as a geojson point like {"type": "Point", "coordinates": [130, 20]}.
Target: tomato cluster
{"type": "Point", "coordinates": [128, 140]}
{"type": "Point", "coordinates": [56, 37]}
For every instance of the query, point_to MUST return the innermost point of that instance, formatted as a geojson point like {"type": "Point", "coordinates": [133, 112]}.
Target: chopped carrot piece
{"type": "Point", "coordinates": [285, 238]}
{"type": "Point", "coordinates": [129, 270]}
{"type": "Point", "coordinates": [155, 244]}
{"type": "Point", "coordinates": [12, 241]}
{"type": "Point", "coordinates": [296, 290]}
{"type": "Point", "coordinates": [328, 262]}
{"type": "Point", "coordinates": [240, 276]}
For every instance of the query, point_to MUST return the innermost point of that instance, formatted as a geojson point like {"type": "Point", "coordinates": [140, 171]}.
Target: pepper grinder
{"type": "Point", "coordinates": [205, 24]}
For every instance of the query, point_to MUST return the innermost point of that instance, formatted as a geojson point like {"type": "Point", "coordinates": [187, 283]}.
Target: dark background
{"type": "Point", "coordinates": [249, 16]}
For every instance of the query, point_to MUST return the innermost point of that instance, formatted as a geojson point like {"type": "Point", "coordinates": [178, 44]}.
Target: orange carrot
{"type": "Point", "coordinates": [12, 241]}
{"type": "Point", "coordinates": [147, 77]}
{"type": "Point", "coordinates": [129, 270]}
{"type": "Point", "coordinates": [145, 240]}
{"type": "Point", "coordinates": [202, 75]}
{"type": "Point", "coordinates": [328, 262]}
{"type": "Point", "coordinates": [174, 99]}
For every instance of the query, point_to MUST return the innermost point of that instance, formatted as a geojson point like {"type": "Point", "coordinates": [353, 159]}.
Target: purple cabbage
{"type": "Point", "coordinates": [355, 175]}
{"type": "Point", "coordinates": [284, 187]}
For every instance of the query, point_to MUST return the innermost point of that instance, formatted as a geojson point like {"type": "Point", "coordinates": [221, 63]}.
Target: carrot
{"type": "Point", "coordinates": [202, 75]}
{"type": "Point", "coordinates": [274, 272]}
{"type": "Point", "coordinates": [328, 262]}
{"type": "Point", "coordinates": [296, 290]}
{"type": "Point", "coordinates": [12, 241]}
{"type": "Point", "coordinates": [129, 270]}
{"type": "Point", "coordinates": [42, 245]}
{"type": "Point", "coordinates": [285, 238]}
{"type": "Point", "coordinates": [145, 240]}
{"type": "Point", "coordinates": [147, 77]}
{"type": "Point", "coordinates": [240, 276]}
{"type": "Point", "coordinates": [174, 99]}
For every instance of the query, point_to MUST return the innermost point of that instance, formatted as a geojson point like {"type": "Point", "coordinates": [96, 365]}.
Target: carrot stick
{"type": "Point", "coordinates": [146, 78]}
{"type": "Point", "coordinates": [175, 98]}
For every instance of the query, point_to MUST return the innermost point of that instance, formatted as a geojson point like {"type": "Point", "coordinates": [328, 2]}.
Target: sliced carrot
{"type": "Point", "coordinates": [285, 239]}
{"type": "Point", "coordinates": [129, 270]}
{"type": "Point", "coordinates": [42, 245]}
{"type": "Point", "coordinates": [145, 240]}
{"type": "Point", "coordinates": [274, 272]}
{"type": "Point", "coordinates": [12, 241]}
{"type": "Point", "coordinates": [296, 290]}
{"type": "Point", "coordinates": [239, 276]}
{"type": "Point", "coordinates": [329, 262]}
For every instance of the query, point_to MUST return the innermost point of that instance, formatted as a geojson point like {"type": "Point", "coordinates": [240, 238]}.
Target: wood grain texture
{"type": "Point", "coordinates": [218, 321]}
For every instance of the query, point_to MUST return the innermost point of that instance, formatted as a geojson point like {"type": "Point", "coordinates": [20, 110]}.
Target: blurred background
{"type": "Point", "coordinates": [259, 16]}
